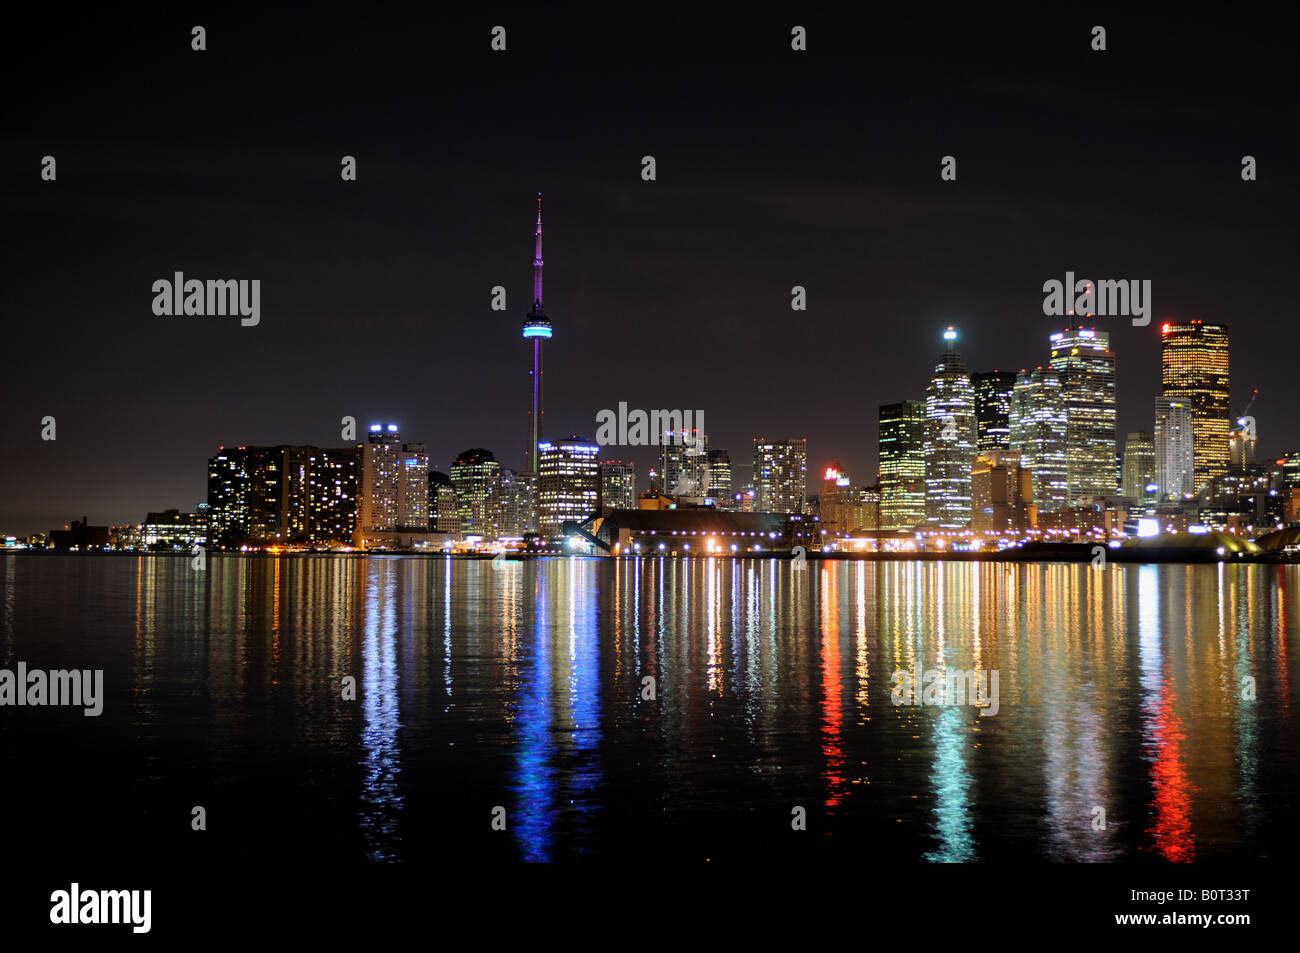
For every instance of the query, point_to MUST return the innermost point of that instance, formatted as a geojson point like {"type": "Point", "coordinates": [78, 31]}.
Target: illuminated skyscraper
{"type": "Point", "coordinates": [1139, 468]}
{"type": "Point", "coordinates": [537, 328]}
{"type": "Point", "coordinates": [392, 485]}
{"type": "Point", "coordinates": [993, 391]}
{"type": "Point", "coordinates": [1175, 447]}
{"type": "Point", "coordinates": [684, 463]}
{"type": "Point", "coordinates": [780, 475]}
{"type": "Point", "coordinates": [443, 517]}
{"type": "Point", "coordinates": [510, 506]}
{"type": "Point", "coordinates": [332, 495]}
{"type": "Point", "coordinates": [247, 495]}
{"type": "Point", "coordinates": [1038, 433]}
{"type": "Point", "coordinates": [1194, 368]}
{"type": "Point", "coordinates": [902, 465]}
{"type": "Point", "coordinates": [618, 484]}
{"type": "Point", "coordinates": [568, 483]}
{"type": "Point", "coordinates": [472, 477]}
{"type": "Point", "coordinates": [720, 477]}
{"type": "Point", "coordinates": [282, 495]}
{"type": "Point", "coordinates": [949, 440]}
{"type": "Point", "coordinates": [1086, 366]}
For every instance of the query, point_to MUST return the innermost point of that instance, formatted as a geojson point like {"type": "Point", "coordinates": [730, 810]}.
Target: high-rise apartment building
{"type": "Point", "coordinates": [392, 486]}
{"type": "Point", "coordinates": [684, 463]}
{"type": "Point", "coordinates": [780, 475]}
{"type": "Point", "coordinates": [281, 495]}
{"type": "Point", "coordinates": [618, 484]}
{"type": "Point", "coordinates": [331, 495]}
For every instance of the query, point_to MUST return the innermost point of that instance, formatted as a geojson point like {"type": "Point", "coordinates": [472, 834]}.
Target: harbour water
{"type": "Point", "coordinates": [1144, 713]}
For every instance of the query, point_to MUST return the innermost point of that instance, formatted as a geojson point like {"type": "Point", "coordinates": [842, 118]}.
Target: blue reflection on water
{"type": "Point", "coordinates": [380, 801]}
{"type": "Point", "coordinates": [534, 784]}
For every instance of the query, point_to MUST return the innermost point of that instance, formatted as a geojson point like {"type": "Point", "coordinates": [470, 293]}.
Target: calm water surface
{"type": "Point", "coordinates": [1124, 690]}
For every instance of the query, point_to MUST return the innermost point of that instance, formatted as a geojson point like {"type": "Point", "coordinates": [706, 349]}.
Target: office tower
{"type": "Point", "coordinates": [902, 465]}
{"type": "Point", "coordinates": [1086, 366]}
{"type": "Point", "coordinates": [1175, 440]}
{"type": "Point", "coordinates": [331, 495]}
{"type": "Point", "coordinates": [993, 391]}
{"type": "Point", "coordinates": [1194, 369]}
{"type": "Point", "coordinates": [618, 485]}
{"type": "Point", "coordinates": [780, 475]}
{"type": "Point", "coordinates": [443, 516]}
{"type": "Point", "coordinates": [1038, 430]}
{"type": "Point", "coordinates": [472, 476]}
{"type": "Point", "coordinates": [1002, 493]}
{"type": "Point", "coordinates": [720, 476]}
{"type": "Point", "coordinates": [568, 483]}
{"type": "Point", "coordinates": [1139, 468]}
{"type": "Point", "coordinates": [684, 462]}
{"type": "Point", "coordinates": [949, 440]}
{"type": "Point", "coordinates": [537, 328]}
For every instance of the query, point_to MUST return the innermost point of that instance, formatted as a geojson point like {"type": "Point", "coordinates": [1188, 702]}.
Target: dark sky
{"type": "Point", "coordinates": [775, 168]}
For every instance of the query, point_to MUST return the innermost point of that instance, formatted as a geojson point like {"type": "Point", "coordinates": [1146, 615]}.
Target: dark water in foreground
{"type": "Point", "coordinates": [1119, 690]}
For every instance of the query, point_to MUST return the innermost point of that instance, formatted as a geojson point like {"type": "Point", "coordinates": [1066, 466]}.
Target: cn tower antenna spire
{"type": "Point", "coordinates": [537, 328]}
{"type": "Point", "coordinates": [537, 261]}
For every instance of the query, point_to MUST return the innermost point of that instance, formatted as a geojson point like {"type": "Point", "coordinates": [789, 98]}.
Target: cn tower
{"type": "Point", "coordinates": [538, 327]}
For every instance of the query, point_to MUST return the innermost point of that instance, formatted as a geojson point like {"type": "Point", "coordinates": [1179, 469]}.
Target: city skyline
{"type": "Point", "coordinates": [900, 454]}
{"type": "Point", "coordinates": [671, 293]}
{"type": "Point", "coordinates": [978, 415]}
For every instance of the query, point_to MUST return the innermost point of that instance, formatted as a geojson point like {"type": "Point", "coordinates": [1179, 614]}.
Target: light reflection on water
{"type": "Point", "coordinates": [1121, 691]}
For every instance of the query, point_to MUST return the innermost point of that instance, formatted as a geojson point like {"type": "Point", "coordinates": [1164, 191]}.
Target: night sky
{"type": "Point", "coordinates": [775, 168]}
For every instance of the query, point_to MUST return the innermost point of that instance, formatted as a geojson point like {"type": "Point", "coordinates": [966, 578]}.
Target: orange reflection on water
{"type": "Point", "coordinates": [832, 715]}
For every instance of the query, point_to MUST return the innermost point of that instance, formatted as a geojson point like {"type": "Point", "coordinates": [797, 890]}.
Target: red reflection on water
{"type": "Point", "coordinates": [1171, 827]}
{"type": "Point", "coordinates": [832, 715]}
